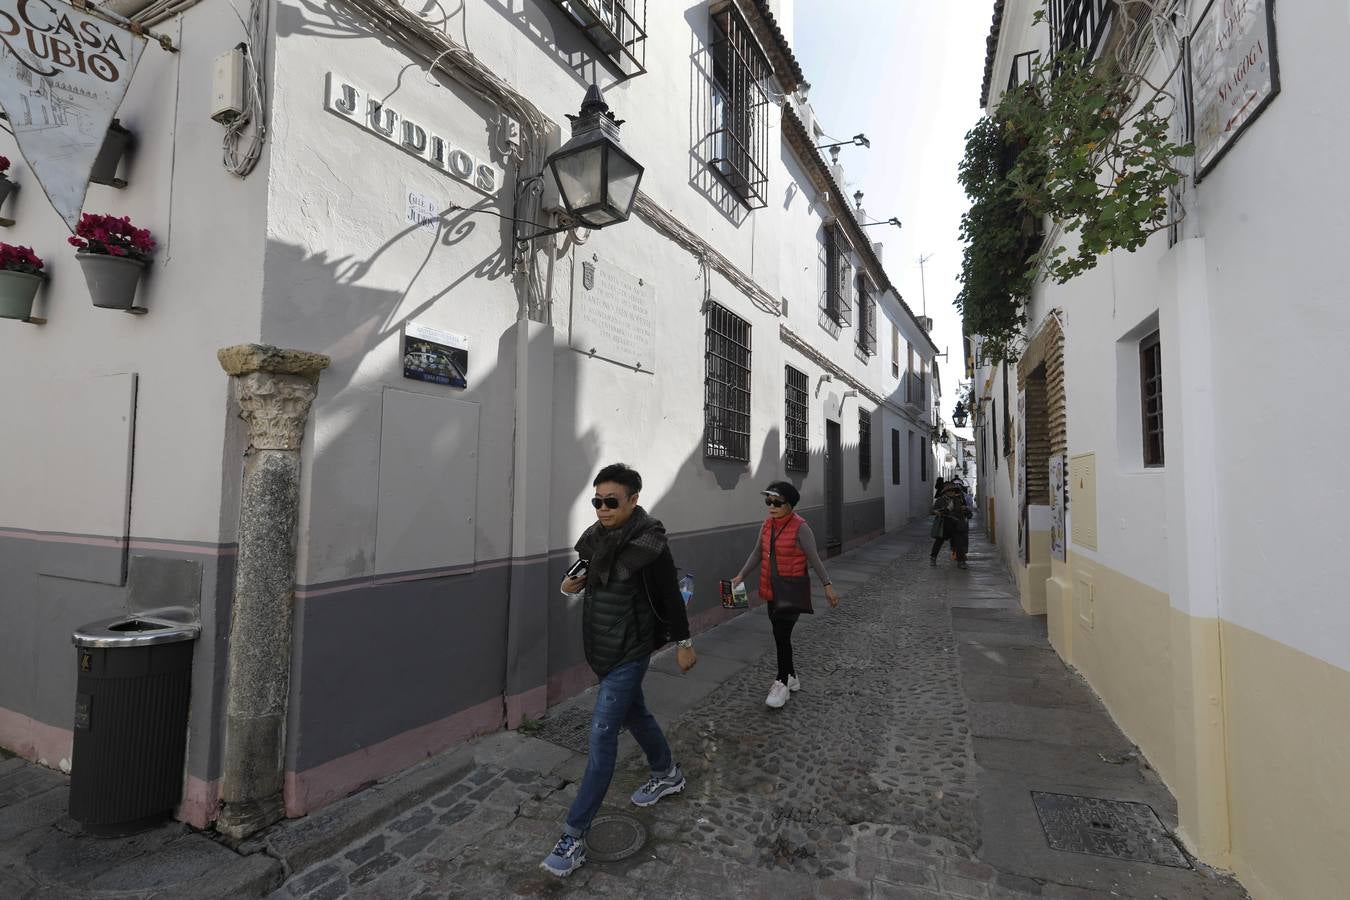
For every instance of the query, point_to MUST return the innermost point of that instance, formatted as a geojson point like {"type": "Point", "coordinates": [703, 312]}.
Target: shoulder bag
{"type": "Point", "coordinates": [791, 593]}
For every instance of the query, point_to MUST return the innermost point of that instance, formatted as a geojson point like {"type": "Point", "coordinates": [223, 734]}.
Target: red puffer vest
{"type": "Point", "coordinates": [791, 559]}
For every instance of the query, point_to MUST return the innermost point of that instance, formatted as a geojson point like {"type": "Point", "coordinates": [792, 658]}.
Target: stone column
{"type": "Point", "coordinates": [274, 388]}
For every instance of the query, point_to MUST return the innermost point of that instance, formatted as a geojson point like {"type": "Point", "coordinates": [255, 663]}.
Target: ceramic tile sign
{"type": "Point", "coordinates": [613, 315]}
{"type": "Point", "coordinates": [1234, 73]}
{"type": "Point", "coordinates": [423, 211]}
{"type": "Point", "coordinates": [63, 74]}
{"type": "Point", "coordinates": [1058, 548]}
{"type": "Point", "coordinates": [439, 357]}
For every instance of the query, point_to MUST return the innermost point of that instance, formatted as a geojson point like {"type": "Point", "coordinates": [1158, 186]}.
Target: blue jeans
{"type": "Point", "coordinates": [618, 704]}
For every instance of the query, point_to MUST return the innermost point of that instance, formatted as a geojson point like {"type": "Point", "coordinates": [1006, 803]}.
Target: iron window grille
{"type": "Point", "coordinates": [1150, 388]}
{"type": "Point", "coordinates": [838, 300]}
{"type": "Point", "coordinates": [617, 28]}
{"type": "Point", "coordinates": [864, 445]}
{"type": "Point", "coordinates": [740, 107]}
{"type": "Point", "coordinates": [895, 351]}
{"type": "Point", "coordinates": [923, 460]}
{"type": "Point", "coordinates": [1020, 73]}
{"type": "Point", "coordinates": [1079, 25]}
{"type": "Point", "coordinates": [867, 319]}
{"type": "Point", "coordinates": [795, 413]}
{"type": "Point", "coordinates": [726, 387]}
{"type": "Point", "coordinates": [895, 456]}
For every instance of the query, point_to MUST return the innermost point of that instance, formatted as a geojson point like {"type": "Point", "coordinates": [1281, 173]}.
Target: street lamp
{"type": "Point", "coordinates": [858, 140]}
{"type": "Point", "coordinates": [959, 415]}
{"type": "Point", "coordinates": [891, 221]}
{"type": "Point", "coordinates": [597, 180]}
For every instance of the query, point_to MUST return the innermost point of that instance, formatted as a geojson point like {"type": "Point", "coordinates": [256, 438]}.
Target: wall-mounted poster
{"type": "Point", "coordinates": [430, 354]}
{"type": "Point", "coordinates": [1234, 73]}
{"type": "Point", "coordinates": [1058, 546]}
{"type": "Point", "coordinates": [1023, 542]}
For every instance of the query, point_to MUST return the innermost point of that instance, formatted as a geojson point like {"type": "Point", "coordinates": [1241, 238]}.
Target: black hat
{"type": "Point", "coordinates": [783, 490]}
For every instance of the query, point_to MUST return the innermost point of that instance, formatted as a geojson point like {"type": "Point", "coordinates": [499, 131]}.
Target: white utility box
{"type": "Point", "coordinates": [227, 86]}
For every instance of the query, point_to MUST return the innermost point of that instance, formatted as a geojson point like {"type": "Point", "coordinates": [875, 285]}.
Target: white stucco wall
{"type": "Point", "coordinates": [202, 290]}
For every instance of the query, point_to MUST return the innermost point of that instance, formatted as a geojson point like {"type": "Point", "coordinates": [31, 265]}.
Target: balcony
{"type": "Point", "coordinates": [617, 28]}
{"type": "Point", "coordinates": [1079, 25]}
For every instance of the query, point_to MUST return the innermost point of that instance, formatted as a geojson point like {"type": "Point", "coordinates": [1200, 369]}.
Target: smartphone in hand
{"type": "Point", "coordinates": [578, 568]}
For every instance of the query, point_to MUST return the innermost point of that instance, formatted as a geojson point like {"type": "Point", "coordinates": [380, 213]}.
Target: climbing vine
{"type": "Point", "coordinates": [1088, 146]}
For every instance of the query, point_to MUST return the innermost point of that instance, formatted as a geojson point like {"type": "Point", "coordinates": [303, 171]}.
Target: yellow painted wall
{"type": "Point", "coordinates": [1125, 655]}
{"type": "Point", "coordinates": [1252, 736]}
{"type": "Point", "coordinates": [1289, 764]}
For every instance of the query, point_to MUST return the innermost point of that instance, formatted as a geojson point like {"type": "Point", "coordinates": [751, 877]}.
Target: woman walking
{"type": "Point", "coordinates": [788, 542]}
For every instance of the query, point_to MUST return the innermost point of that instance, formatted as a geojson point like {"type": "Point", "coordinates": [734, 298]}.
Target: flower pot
{"type": "Point", "coordinates": [17, 290]}
{"type": "Point", "coordinates": [112, 279]}
{"type": "Point", "coordinates": [6, 188]}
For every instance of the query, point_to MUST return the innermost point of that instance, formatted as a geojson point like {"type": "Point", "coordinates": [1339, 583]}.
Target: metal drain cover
{"type": "Point", "coordinates": [1114, 828]}
{"type": "Point", "coordinates": [615, 836]}
{"type": "Point", "coordinates": [569, 727]}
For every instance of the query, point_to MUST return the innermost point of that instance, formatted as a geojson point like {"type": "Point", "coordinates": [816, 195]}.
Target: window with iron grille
{"type": "Point", "coordinates": [795, 416]}
{"type": "Point", "coordinates": [867, 318]}
{"type": "Point", "coordinates": [1021, 68]}
{"type": "Point", "coordinates": [740, 107]}
{"type": "Point", "coordinates": [895, 351]}
{"type": "Point", "coordinates": [864, 445]}
{"type": "Point", "coordinates": [618, 29]}
{"type": "Point", "coordinates": [1079, 25]}
{"type": "Point", "coordinates": [1150, 387]}
{"type": "Point", "coordinates": [923, 460]}
{"type": "Point", "coordinates": [726, 386]}
{"type": "Point", "coordinates": [838, 277]}
{"type": "Point", "coordinates": [895, 456]}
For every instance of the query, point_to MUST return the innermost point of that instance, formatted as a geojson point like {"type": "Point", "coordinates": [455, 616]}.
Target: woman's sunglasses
{"type": "Point", "coordinates": [769, 501]}
{"type": "Point", "coordinates": [606, 502]}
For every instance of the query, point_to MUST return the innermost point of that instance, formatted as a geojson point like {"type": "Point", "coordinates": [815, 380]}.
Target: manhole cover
{"type": "Point", "coordinates": [570, 728]}
{"type": "Point", "coordinates": [1114, 828]}
{"type": "Point", "coordinates": [615, 836]}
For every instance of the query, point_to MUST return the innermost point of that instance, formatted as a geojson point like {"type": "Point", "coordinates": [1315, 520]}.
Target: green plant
{"type": "Point", "coordinates": [1086, 144]}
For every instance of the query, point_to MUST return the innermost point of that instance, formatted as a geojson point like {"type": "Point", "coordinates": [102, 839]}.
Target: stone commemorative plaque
{"type": "Point", "coordinates": [613, 315]}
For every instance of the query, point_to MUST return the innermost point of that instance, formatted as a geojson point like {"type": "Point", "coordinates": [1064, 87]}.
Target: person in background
{"type": "Point", "coordinates": [631, 596]}
{"type": "Point", "coordinates": [951, 507]}
{"type": "Point", "coordinates": [938, 485]}
{"type": "Point", "coordinates": [794, 547]}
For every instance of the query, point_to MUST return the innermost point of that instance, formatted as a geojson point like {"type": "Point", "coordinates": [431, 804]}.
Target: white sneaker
{"type": "Point", "coordinates": [793, 684]}
{"type": "Point", "coordinates": [778, 696]}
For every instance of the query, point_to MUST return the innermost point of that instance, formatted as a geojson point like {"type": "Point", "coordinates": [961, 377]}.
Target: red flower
{"type": "Point", "coordinates": [19, 259]}
{"type": "Point", "coordinates": [4, 163]}
{"type": "Point", "coordinates": [113, 236]}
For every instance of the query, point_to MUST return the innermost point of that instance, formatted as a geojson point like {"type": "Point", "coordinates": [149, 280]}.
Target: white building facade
{"type": "Point", "coordinates": [737, 329]}
{"type": "Point", "coordinates": [1182, 563]}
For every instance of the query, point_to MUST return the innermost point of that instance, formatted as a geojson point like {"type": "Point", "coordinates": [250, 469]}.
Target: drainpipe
{"type": "Point", "coordinates": [274, 388]}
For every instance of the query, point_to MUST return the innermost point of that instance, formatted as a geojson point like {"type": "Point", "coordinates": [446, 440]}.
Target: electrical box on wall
{"type": "Point", "coordinates": [227, 86]}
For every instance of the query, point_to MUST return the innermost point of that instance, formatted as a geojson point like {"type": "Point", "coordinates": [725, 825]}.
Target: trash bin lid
{"type": "Point", "coordinates": [132, 630]}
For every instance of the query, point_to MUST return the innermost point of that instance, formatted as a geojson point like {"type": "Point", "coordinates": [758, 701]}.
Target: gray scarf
{"type": "Point", "coordinates": [620, 553]}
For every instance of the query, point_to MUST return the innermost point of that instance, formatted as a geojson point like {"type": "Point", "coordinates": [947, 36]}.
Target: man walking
{"type": "Point", "coordinates": [632, 605]}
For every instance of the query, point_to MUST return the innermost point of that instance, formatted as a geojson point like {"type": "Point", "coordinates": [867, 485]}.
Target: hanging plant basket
{"type": "Point", "coordinates": [17, 290]}
{"type": "Point", "coordinates": [112, 279]}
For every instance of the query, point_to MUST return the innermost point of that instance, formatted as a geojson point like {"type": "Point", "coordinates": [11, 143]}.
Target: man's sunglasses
{"type": "Point", "coordinates": [769, 501]}
{"type": "Point", "coordinates": [606, 502]}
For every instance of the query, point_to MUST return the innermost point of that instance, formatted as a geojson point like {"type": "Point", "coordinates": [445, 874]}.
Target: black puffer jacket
{"type": "Point", "coordinates": [621, 623]}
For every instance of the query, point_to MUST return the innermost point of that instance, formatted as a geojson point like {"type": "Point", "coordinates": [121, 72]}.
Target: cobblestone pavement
{"type": "Point", "coordinates": [866, 785]}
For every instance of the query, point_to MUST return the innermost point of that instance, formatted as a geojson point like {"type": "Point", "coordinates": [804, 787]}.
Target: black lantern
{"type": "Point", "coordinates": [959, 415]}
{"type": "Point", "coordinates": [597, 180]}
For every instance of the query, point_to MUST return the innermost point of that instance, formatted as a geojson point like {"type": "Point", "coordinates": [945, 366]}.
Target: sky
{"type": "Point", "coordinates": [907, 73]}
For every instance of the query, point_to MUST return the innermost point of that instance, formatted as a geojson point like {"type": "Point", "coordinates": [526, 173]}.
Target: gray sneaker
{"type": "Point", "coordinates": [660, 786]}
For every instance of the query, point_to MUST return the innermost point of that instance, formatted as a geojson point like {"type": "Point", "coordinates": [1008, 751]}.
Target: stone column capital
{"type": "Point", "coordinates": [275, 388]}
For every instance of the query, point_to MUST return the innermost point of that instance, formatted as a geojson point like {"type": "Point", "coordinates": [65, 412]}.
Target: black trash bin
{"type": "Point", "coordinates": [131, 711]}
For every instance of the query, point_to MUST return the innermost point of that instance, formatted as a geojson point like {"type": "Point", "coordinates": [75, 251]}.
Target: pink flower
{"type": "Point", "coordinates": [4, 164]}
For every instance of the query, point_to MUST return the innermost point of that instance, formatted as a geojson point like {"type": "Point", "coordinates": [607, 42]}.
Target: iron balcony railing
{"type": "Point", "coordinates": [1079, 25]}
{"type": "Point", "coordinates": [617, 28]}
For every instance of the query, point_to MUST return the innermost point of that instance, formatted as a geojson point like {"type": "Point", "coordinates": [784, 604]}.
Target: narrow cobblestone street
{"type": "Point", "coordinates": [931, 707]}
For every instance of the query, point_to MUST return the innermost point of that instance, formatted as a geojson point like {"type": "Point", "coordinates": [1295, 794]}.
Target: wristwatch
{"type": "Point", "coordinates": [687, 644]}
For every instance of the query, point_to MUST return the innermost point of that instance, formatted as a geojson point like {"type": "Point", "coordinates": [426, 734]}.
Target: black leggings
{"type": "Point", "coordinates": [960, 538]}
{"type": "Point", "coordinates": [782, 639]}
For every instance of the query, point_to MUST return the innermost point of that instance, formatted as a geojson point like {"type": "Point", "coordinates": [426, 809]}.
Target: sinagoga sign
{"type": "Point", "coordinates": [362, 108]}
{"type": "Point", "coordinates": [63, 74]}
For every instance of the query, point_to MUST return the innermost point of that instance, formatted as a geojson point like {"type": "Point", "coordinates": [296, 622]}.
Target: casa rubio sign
{"type": "Point", "coordinates": [414, 136]}
{"type": "Point", "coordinates": [63, 74]}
